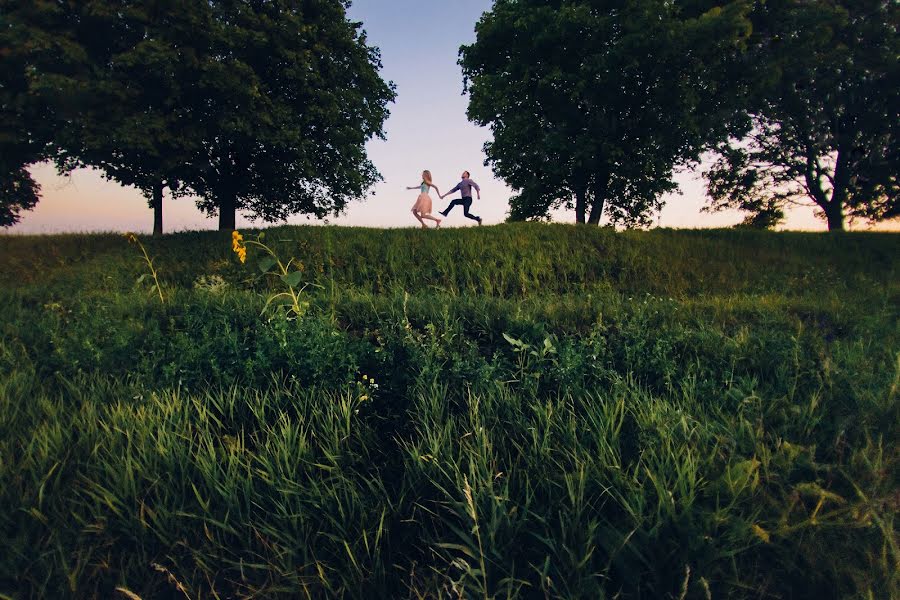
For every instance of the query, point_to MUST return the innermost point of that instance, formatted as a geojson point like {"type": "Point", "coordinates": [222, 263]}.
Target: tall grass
{"type": "Point", "coordinates": [519, 411]}
{"type": "Point", "coordinates": [514, 260]}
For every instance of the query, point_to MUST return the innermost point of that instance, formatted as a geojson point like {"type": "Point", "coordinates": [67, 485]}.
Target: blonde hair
{"type": "Point", "coordinates": [426, 177]}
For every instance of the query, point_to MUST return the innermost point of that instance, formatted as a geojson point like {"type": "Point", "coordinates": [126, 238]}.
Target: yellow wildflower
{"type": "Point", "coordinates": [363, 398]}
{"type": "Point", "coordinates": [238, 248]}
{"type": "Point", "coordinates": [761, 533]}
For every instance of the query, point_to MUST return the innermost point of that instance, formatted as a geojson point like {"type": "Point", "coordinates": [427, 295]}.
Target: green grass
{"type": "Point", "coordinates": [562, 412]}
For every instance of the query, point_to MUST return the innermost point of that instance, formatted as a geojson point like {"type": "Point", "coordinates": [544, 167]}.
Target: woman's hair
{"type": "Point", "coordinates": [426, 176]}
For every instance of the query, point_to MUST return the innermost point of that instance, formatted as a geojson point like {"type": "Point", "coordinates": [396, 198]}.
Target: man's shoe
{"type": "Point", "coordinates": [479, 221]}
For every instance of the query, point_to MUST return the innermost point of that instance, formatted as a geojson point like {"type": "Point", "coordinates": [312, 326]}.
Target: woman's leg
{"type": "Point", "coordinates": [429, 216]}
{"type": "Point", "coordinates": [419, 217]}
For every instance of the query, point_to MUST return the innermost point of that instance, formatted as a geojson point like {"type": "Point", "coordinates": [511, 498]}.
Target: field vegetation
{"type": "Point", "coordinates": [516, 411]}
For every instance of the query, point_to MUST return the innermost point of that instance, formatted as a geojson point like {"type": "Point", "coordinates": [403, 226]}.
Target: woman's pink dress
{"type": "Point", "coordinates": [423, 202]}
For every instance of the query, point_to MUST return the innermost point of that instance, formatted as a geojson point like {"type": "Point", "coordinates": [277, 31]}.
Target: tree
{"type": "Point", "coordinates": [260, 106]}
{"type": "Point", "coordinates": [18, 192]}
{"type": "Point", "coordinates": [135, 124]}
{"type": "Point", "coordinates": [132, 121]}
{"type": "Point", "coordinates": [24, 125]}
{"type": "Point", "coordinates": [100, 79]}
{"type": "Point", "coordinates": [291, 96]}
{"type": "Point", "coordinates": [593, 103]}
{"type": "Point", "coordinates": [823, 106]}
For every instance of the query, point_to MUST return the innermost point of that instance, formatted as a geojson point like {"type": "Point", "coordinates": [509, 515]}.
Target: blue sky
{"type": "Point", "coordinates": [428, 129]}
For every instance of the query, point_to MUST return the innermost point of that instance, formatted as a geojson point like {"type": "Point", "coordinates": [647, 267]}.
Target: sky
{"type": "Point", "coordinates": [427, 129]}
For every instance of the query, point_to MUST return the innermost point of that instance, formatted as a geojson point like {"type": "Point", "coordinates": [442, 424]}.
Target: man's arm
{"type": "Point", "coordinates": [477, 189]}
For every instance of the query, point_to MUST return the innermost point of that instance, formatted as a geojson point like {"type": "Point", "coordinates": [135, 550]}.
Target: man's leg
{"type": "Point", "coordinates": [449, 208]}
{"type": "Point", "coordinates": [467, 203]}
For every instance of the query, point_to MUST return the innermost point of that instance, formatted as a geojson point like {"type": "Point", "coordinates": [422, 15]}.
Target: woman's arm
{"type": "Point", "coordinates": [413, 187]}
{"type": "Point", "coordinates": [436, 189]}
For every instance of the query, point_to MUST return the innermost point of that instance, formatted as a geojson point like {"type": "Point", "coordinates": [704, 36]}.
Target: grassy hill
{"type": "Point", "coordinates": [517, 411]}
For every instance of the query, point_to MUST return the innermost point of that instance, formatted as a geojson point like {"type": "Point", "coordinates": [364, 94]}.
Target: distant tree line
{"type": "Point", "coordinates": [263, 107]}
{"type": "Point", "coordinates": [595, 103]}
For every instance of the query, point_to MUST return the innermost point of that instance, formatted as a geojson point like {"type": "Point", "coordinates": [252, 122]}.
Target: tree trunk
{"type": "Point", "coordinates": [600, 186]}
{"type": "Point", "coordinates": [227, 211]}
{"type": "Point", "coordinates": [580, 205]}
{"type": "Point", "coordinates": [597, 210]}
{"type": "Point", "coordinates": [834, 206]}
{"type": "Point", "coordinates": [157, 209]}
{"type": "Point", "coordinates": [835, 214]}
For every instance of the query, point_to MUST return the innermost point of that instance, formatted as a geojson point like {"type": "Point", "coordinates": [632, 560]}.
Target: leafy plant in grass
{"type": "Point", "coordinates": [156, 287]}
{"type": "Point", "coordinates": [296, 306]}
{"type": "Point", "coordinates": [526, 354]}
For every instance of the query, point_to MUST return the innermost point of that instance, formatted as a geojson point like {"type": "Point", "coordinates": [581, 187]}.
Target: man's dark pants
{"type": "Point", "coordinates": [466, 202]}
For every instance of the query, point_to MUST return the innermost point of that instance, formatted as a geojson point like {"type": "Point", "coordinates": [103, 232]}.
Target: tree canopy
{"type": "Point", "coordinates": [117, 74]}
{"type": "Point", "coordinates": [823, 106]}
{"type": "Point", "coordinates": [593, 103]}
{"type": "Point", "coordinates": [24, 124]}
{"type": "Point", "coordinates": [293, 96]}
{"type": "Point", "coordinates": [261, 107]}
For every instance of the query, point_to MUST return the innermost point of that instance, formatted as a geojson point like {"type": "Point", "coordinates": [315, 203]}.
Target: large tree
{"type": "Point", "coordinates": [594, 103]}
{"type": "Point", "coordinates": [130, 118]}
{"type": "Point", "coordinates": [260, 106]}
{"type": "Point", "coordinates": [100, 80]}
{"type": "Point", "coordinates": [823, 102]}
{"type": "Point", "coordinates": [137, 126]}
{"type": "Point", "coordinates": [292, 96]}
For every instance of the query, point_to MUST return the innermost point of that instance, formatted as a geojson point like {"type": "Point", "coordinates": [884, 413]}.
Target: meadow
{"type": "Point", "coordinates": [519, 411]}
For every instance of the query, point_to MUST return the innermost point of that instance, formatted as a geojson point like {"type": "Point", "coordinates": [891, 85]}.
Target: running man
{"type": "Point", "coordinates": [465, 188]}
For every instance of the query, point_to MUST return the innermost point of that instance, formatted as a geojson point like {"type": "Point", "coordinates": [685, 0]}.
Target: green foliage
{"type": "Point", "coordinates": [25, 123]}
{"type": "Point", "coordinates": [262, 107]}
{"type": "Point", "coordinates": [593, 103]}
{"type": "Point", "coordinates": [18, 192]}
{"type": "Point", "coordinates": [822, 94]}
{"type": "Point", "coordinates": [539, 411]}
{"type": "Point", "coordinates": [156, 287]}
{"type": "Point", "coordinates": [71, 71]}
{"type": "Point", "coordinates": [292, 300]}
{"type": "Point", "coordinates": [309, 97]}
